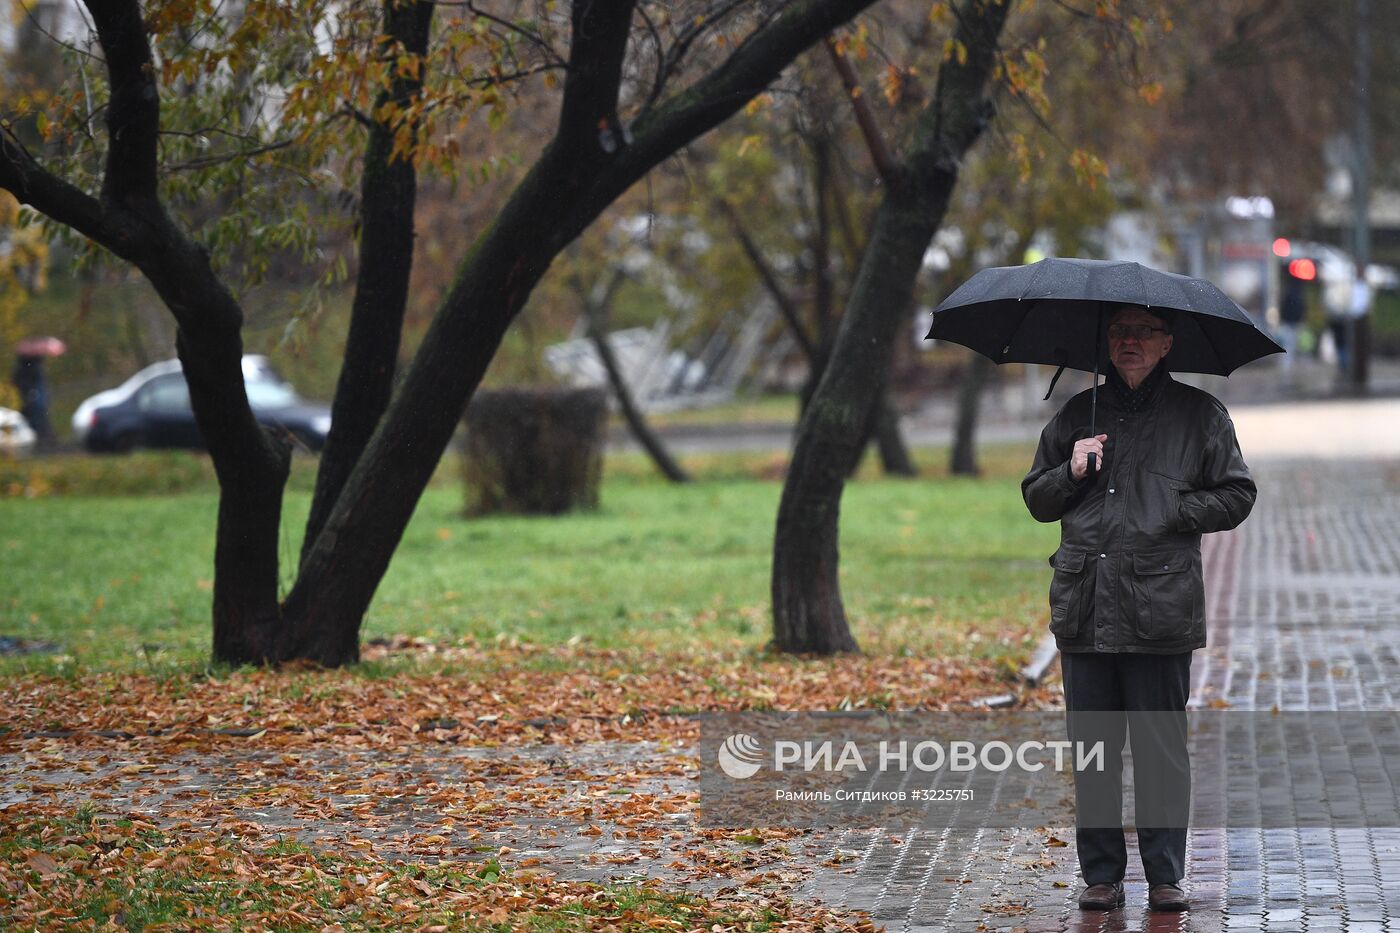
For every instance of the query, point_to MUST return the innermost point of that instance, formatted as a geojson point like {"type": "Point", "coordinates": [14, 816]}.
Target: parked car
{"type": "Point", "coordinates": [152, 409]}
{"type": "Point", "coordinates": [15, 433]}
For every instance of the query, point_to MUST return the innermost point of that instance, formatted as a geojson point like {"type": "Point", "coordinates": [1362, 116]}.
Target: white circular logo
{"type": "Point", "coordinates": [740, 756]}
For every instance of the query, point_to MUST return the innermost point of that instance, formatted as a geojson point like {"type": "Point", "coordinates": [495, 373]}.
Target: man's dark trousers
{"type": "Point", "coordinates": [1126, 683]}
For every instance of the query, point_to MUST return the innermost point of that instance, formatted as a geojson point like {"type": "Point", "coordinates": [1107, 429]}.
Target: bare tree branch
{"type": "Point", "coordinates": [880, 155]}
{"type": "Point", "coordinates": [82, 53]}
{"type": "Point", "coordinates": [358, 115]}
{"type": "Point", "coordinates": [223, 158]}
{"type": "Point", "coordinates": [659, 81]}
{"type": "Point", "coordinates": [750, 69]}
{"type": "Point", "coordinates": [694, 29]}
{"type": "Point", "coordinates": [533, 38]}
{"type": "Point", "coordinates": [769, 278]}
{"type": "Point", "coordinates": [496, 80]}
{"type": "Point", "coordinates": [853, 245]}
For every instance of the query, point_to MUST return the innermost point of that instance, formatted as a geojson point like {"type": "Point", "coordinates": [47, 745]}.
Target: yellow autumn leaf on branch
{"type": "Point", "coordinates": [1152, 93]}
{"type": "Point", "coordinates": [862, 42]}
{"type": "Point", "coordinates": [1088, 168]}
{"type": "Point", "coordinates": [759, 103]}
{"type": "Point", "coordinates": [892, 84]}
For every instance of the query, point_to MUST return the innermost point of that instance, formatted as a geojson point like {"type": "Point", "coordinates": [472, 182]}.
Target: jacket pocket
{"type": "Point", "coordinates": [1166, 594]}
{"type": "Point", "coordinates": [1165, 503]}
{"type": "Point", "coordinates": [1069, 596]}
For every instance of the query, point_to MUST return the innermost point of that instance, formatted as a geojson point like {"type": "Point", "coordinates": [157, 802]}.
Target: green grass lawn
{"type": "Point", "coordinates": [943, 565]}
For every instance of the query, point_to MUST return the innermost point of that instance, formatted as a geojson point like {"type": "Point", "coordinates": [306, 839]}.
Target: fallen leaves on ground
{"type": "Point", "coordinates": [486, 696]}
{"type": "Point", "coordinates": [81, 872]}
{"type": "Point", "coordinates": [513, 765]}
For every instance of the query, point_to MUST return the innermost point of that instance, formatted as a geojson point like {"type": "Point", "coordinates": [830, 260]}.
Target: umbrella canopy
{"type": "Point", "coordinates": [41, 346]}
{"type": "Point", "coordinates": [1050, 312]}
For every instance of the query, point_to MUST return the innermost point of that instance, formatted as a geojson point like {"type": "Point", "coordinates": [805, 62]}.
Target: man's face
{"type": "Point", "coordinates": [1134, 351]}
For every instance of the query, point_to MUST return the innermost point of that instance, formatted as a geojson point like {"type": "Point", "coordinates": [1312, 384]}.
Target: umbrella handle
{"type": "Point", "coordinates": [1094, 398]}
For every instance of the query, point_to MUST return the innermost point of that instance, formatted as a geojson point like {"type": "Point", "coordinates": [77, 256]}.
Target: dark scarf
{"type": "Point", "coordinates": [1141, 398]}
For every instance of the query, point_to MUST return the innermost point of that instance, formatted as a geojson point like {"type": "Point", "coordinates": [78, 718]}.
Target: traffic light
{"type": "Point", "coordinates": [1303, 269]}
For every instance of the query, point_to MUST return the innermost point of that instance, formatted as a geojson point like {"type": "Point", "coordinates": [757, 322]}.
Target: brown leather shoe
{"type": "Point", "coordinates": [1166, 897]}
{"type": "Point", "coordinates": [1107, 896]}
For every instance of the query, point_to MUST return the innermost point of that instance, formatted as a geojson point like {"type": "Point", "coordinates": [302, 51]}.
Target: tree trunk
{"type": "Point", "coordinates": [889, 437]}
{"type": "Point", "coordinates": [808, 615]}
{"type": "Point", "coordinates": [596, 311]}
{"type": "Point", "coordinates": [816, 368]}
{"type": "Point", "coordinates": [769, 278]}
{"type": "Point", "coordinates": [388, 191]}
{"type": "Point", "coordinates": [963, 457]}
{"type": "Point", "coordinates": [824, 301]}
{"type": "Point", "coordinates": [251, 464]}
{"type": "Point", "coordinates": [247, 618]}
{"type": "Point", "coordinates": [963, 461]}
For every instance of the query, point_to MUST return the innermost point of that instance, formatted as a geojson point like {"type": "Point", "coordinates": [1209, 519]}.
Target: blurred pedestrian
{"type": "Point", "coordinates": [28, 377]}
{"type": "Point", "coordinates": [1359, 312]}
{"type": "Point", "coordinates": [1337, 325]}
{"type": "Point", "coordinates": [1292, 310]}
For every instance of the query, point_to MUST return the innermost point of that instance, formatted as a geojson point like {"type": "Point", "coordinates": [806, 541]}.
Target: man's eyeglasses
{"type": "Point", "coordinates": [1136, 331]}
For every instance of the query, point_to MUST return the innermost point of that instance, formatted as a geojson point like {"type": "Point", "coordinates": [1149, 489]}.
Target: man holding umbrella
{"type": "Point", "coordinates": [1127, 597]}
{"type": "Point", "coordinates": [1134, 487]}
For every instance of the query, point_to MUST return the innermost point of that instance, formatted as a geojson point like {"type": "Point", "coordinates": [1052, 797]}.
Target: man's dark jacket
{"type": "Point", "coordinates": [1128, 570]}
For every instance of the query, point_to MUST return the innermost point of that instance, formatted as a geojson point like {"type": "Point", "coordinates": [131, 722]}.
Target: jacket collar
{"type": "Point", "coordinates": [1144, 396]}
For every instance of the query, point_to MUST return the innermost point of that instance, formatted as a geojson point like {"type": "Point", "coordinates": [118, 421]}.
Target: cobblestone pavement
{"type": "Point", "coordinates": [1304, 608]}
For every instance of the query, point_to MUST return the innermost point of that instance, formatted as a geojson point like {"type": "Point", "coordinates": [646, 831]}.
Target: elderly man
{"type": "Point", "coordinates": [1127, 598]}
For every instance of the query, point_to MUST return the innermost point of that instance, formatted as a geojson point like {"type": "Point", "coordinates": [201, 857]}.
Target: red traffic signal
{"type": "Point", "coordinates": [1304, 269]}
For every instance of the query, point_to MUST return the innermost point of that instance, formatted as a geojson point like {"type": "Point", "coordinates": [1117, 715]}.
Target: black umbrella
{"type": "Point", "coordinates": [1053, 312]}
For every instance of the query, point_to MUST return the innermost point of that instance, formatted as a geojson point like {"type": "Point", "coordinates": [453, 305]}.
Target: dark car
{"type": "Point", "coordinates": [158, 414]}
